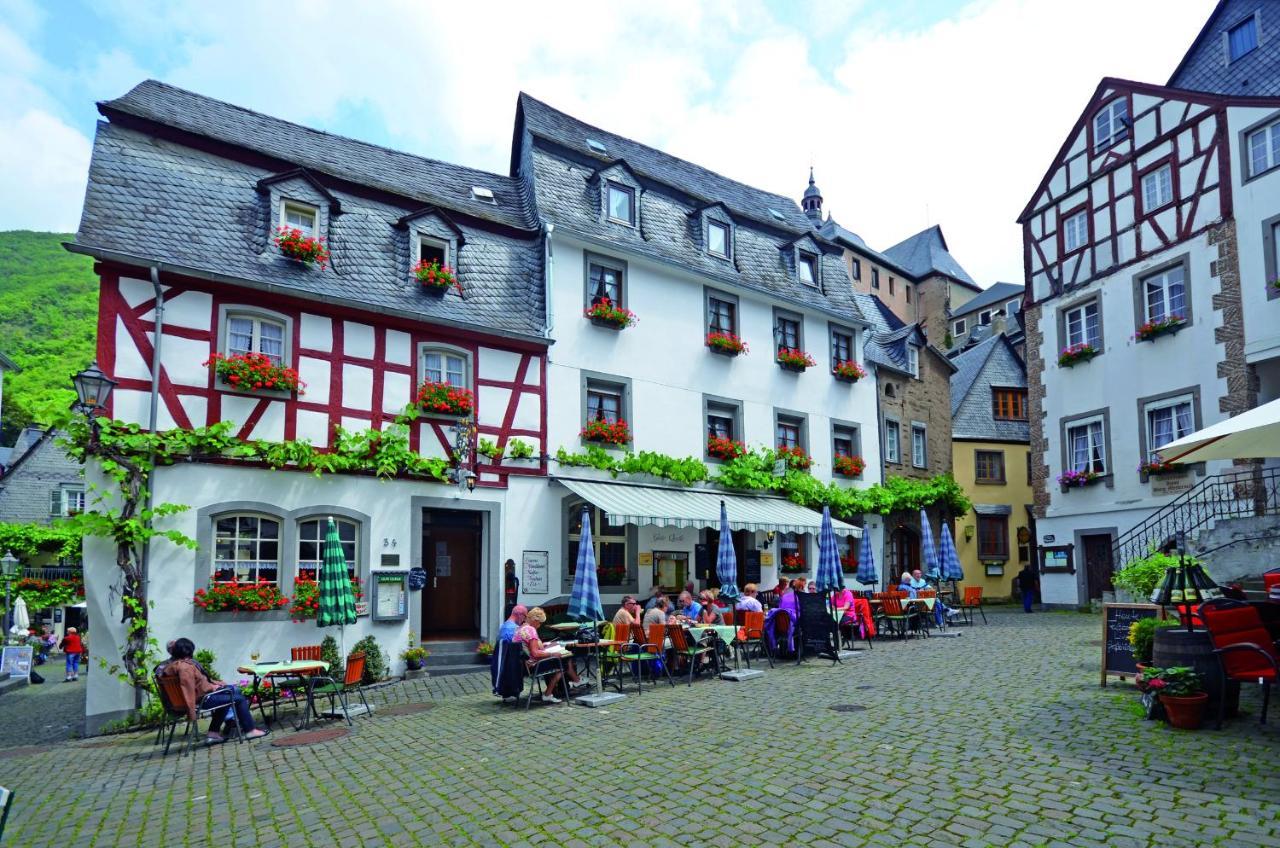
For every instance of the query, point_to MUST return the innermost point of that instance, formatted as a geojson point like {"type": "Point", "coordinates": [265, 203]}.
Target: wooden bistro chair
{"type": "Point", "coordinates": [971, 601]}
{"type": "Point", "coordinates": [640, 650]}
{"type": "Point", "coordinates": [691, 652]}
{"type": "Point", "coordinates": [751, 633]}
{"type": "Point", "coordinates": [175, 704]}
{"type": "Point", "coordinates": [895, 618]}
{"type": "Point", "coordinates": [351, 682]}
{"type": "Point", "coordinates": [1244, 647]}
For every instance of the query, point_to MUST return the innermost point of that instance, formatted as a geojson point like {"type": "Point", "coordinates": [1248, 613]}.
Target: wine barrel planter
{"type": "Point", "coordinates": [1174, 646]}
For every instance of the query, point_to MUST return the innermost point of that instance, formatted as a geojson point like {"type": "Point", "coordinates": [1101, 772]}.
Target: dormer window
{"type": "Point", "coordinates": [300, 216]}
{"type": "Point", "coordinates": [718, 239]}
{"type": "Point", "coordinates": [1242, 39]}
{"type": "Point", "coordinates": [807, 268]}
{"type": "Point", "coordinates": [433, 250]}
{"type": "Point", "coordinates": [621, 202]}
{"type": "Point", "coordinates": [1111, 124]}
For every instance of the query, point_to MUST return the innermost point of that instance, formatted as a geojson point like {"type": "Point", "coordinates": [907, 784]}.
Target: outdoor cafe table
{"type": "Point", "coordinates": [307, 670]}
{"type": "Point", "coordinates": [592, 651]}
{"type": "Point", "coordinates": [727, 633]}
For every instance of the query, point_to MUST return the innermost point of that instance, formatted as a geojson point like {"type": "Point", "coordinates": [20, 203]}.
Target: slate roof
{"type": "Point", "coordinates": [564, 172]}
{"type": "Point", "coordinates": [833, 231]}
{"type": "Point", "coordinates": [991, 363]}
{"type": "Point", "coordinates": [28, 439]}
{"type": "Point", "coordinates": [926, 253]}
{"type": "Point", "coordinates": [201, 213]}
{"type": "Point", "coordinates": [1256, 74]}
{"type": "Point", "coordinates": [884, 347]}
{"type": "Point", "coordinates": [997, 293]}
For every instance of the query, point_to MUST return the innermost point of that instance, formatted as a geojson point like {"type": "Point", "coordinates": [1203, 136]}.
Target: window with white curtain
{"type": "Point", "coordinates": [444, 366]}
{"type": "Point", "coordinates": [1111, 124]}
{"type": "Point", "coordinates": [300, 216]}
{"type": "Point", "coordinates": [1086, 446]}
{"type": "Point", "coordinates": [1157, 188]}
{"type": "Point", "coordinates": [1264, 149]}
{"type": "Point", "coordinates": [255, 334]}
{"type": "Point", "coordinates": [311, 538]}
{"type": "Point", "coordinates": [1081, 324]}
{"type": "Point", "coordinates": [1165, 294]}
{"type": "Point", "coordinates": [246, 549]}
{"type": "Point", "coordinates": [1167, 421]}
{"type": "Point", "coordinates": [1075, 231]}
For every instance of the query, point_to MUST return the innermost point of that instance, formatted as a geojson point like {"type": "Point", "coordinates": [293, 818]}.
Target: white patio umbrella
{"type": "Point", "coordinates": [21, 618]}
{"type": "Point", "coordinates": [1252, 434]}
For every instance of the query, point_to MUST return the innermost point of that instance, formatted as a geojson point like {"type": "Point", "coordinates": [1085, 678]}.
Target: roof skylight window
{"type": "Point", "coordinates": [482, 194]}
{"type": "Point", "coordinates": [776, 214]}
{"type": "Point", "coordinates": [597, 146]}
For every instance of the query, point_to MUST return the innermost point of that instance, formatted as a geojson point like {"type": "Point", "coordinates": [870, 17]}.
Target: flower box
{"type": "Point", "coordinates": [445, 399]}
{"type": "Point", "coordinates": [1158, 466]}
{"type": "Point", "coordinates": [796, 458]}
{"type": "Point", "coordinates": [1074, 354]}
{"type": "Point", "coordinates": [850, 466]}
{"type": "Point", "coordinates": [240, 597]}
{"type": "Point", "coordinates": [604, 313]}
{"type": "Point", "coordinates": [725, 449]}
{"type": "Point", "coordinates": [849, 565]}
{"type": "Point", "coordinates": [1077, 479]}
{"type": "Point", "coordinates": [726, 344]}
{"type": "Point", "coordinates": [303, 249]}
{"type": "Point", "coordinates": [253, 372]}
{"type": "Point", "coordinates": [848, 371]}
{"type": "Point", "coordinates": [1166, 326]}
{"type": "Point", "coordinates": [599, 430]}
{"type": "Point", "coordinates": [793, 564]}
{"type": "Point", "coordinates": [435, 278]}
{"type": "Point", "coordinates": [306, 598]}
{"type": "Point", "coordinates": [794, 360]}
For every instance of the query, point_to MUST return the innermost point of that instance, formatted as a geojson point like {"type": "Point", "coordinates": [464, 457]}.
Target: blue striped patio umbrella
{"type": "Point", "coordinates": [336, 603]}
{"type": "Point", "coordinates": [726, 560]}
{"type": "Point", "coordinates": [829, 578]}
{"type": "Point", "coordinates": [951, 569]}
{"type": "Point", "coordinates": [584, 603]}
{"type": "Point", "coordinates": [867, 574]}
{"type": "Point", "coordinates": [928, 553]}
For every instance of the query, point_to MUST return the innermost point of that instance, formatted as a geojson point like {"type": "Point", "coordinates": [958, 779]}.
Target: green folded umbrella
{"type": "Point", "coordinates": [337, 603]}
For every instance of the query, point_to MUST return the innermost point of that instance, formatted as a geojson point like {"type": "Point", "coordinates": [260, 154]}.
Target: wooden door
{"type": "Point", "coordinates": [906, 546]}
{"type": "Point", "coordinates": [1097, 563]}
{"type": "Point", "coordinates": [450, 601]}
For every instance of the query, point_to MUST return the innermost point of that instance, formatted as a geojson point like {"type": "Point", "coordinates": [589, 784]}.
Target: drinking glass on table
{"type": "Point", "coordinates": [254, 655]}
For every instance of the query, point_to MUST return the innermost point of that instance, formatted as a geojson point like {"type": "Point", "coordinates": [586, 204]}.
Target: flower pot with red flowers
{"type": "Point", "coordinates": [849, 564]}
{"type": "Point", "coordinates": [848, 371]}
{"type": "Point", "coordinates": [725, 449]}
{"type": "Point", "coordinates": [1077, 479]}
{"type": "Point", "coordinates": [305, 250]}
{"type": "Point", "coordinates": [606, 433]}
{"type": "Point", "coordinates": [1073, 355]}
{"type": "Point", "coordinates": [435, 278]}
{"type": "Point", "coordinates": [794, 360]}
{"type": "Point", "coordinates": [850, 466]}
{"type": "Point", "coordinates": [306, 598]}
{"type": "Point", "coordinates": [254, 372]}
{"type": "Point", "coordinates": [1165, 326]}
{"type": "Point", "coordinates": [726, 344]}
{"type": "Point", "coordinates": [1158, 466]}
{"type": "Point", "coordinates": [234, 596]}
{"type": "Point", "coordinates": [445, 399]}
{"type": "Point", "coordinates": [1181, 693]}
{"type": "Point", "coordinates": [605, 313]}
{"type": "Point", "coordinates": [796, 458]}
{"type": "Point", "coordinates": [793, 563]}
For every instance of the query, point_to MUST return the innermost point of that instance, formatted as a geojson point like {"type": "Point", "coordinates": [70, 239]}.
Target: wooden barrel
{"type": "Point", "coordinates": [1174, 646]}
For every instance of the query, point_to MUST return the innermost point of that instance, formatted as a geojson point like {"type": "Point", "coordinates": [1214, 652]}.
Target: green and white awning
{"type": "Point", "coordinates": [626, 503]}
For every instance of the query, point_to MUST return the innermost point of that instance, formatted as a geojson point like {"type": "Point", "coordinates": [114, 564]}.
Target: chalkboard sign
{"type": "Point", "coordinates": [750, 568]}
{"type": "Point", "coordinates": [1117, 653]}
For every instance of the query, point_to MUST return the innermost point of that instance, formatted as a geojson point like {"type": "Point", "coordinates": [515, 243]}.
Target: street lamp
{"type": "Point", "coordinates": [93, 389]}
{"type": "Point", "coordinates": [8, 570]}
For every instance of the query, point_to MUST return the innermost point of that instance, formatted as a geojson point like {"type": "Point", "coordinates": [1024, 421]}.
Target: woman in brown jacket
{"type": "Point", "coordinates": [196, 684]}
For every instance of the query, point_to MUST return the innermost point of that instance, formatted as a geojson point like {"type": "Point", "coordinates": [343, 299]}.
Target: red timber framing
{"type": "Point", "coordinates": [530, 376]}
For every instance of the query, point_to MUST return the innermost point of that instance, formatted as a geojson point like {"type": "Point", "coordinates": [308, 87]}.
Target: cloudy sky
{"type": "Point", "coordinates": [912, 112]}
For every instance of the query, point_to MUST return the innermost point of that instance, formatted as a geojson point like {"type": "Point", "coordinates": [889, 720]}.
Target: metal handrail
{"type": "Point", "coordinates": [1248, 492]}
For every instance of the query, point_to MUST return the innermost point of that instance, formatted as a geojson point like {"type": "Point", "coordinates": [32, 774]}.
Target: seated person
{"type": "Point", "coordinates": [657, 614]}
{"type": "Point", "coordinates": [842, 602]}
{"type": "Point", "coordinates": [627, 615]}
{"type": "Point", "coordinates": [708, 614]}
{"type": "Point", "coordinates": [654, 594]}
{"type": "Point", "coordinates": [528, 636]}
{"type": "Point", "coordinates": [940, 610]}
{"type": "Point", "coordinates": [789, 601]}
{"type": "Point", "coordinates": [687, 607]}
{"type": "Point", "coordinates": [749, 602]}
{"type": "Point", "coordinates": [196, 684]}
{"type": "Point", "coordinates": [507, 632]}
{"type": "Point", "coordinates": [904, 584]}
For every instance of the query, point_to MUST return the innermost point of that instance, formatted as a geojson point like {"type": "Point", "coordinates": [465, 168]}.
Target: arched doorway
{"type": "Point", "coordinates": [905, 550]}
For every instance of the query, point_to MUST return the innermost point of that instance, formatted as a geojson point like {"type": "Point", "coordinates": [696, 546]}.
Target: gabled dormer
{"type": "Point", "coordinates": [617, 193]}
{"type": "Point", "coordinates": [427, 234]}
{"type": "Point", "coordinates": [803, 258]}
{"type": "Point", "coordinates": [296, 199]}
{"type": "Point", "coordinates": [715, 230]}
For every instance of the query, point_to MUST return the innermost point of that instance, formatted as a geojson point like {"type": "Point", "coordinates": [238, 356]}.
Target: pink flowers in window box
{"type": "Point", "coordinates": [1160, 327]}
{"type": "Point", "coordinates": [434, 277]}
{"type": "Point", "coordinates": [445, 399]}
{"type": "Point", "coordinates": [848, 371]}
{"type": "Point", "coordinates": [792, 359]}
{"type": "Point", "coordinates": [599, 430]}
{"type": "Point", "coordinates": [300, 248]}
{"type": "Point", "coordinates": [726, 344]}
{"type": "Point", "coordinates": [1077, 479]}
{"type": "Point", "coordinates": [605, 313]}
{"type": "Point", "coordinates": [1072, 354]}
{"type": "Point", "coordinates": [254, 372]}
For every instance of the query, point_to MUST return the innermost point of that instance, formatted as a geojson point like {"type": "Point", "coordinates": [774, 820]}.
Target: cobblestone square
{"type": "Point", "coordinates": [999, 737]}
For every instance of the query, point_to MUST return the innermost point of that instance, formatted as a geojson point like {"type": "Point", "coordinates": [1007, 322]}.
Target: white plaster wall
{"type": "Point", "coordinates": [1255, 201]}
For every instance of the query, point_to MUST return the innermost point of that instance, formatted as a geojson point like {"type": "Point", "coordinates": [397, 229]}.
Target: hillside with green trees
{"type": "Point", "coordinates": [48, 324]}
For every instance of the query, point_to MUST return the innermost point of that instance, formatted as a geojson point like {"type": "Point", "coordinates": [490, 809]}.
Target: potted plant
{"type": "Point", "coordinates": [489, 448]}
{"type": "Point", "coordinates": [254, 372]}
{"type": "Point", "coordinates": [848, 371]}
{"type": "Point", "coordinates": [435, 278]}
{"type": "Point", "coordinates": [850, 466]}
{"type": "Point", "coordinates": [605, 313]}
{"type": "Point", "coordinates": [414, 656]}
{"type": "Point", "coordinates": [1157, 466]}
{"type": "Point", "coordinates": [1077, 479]}
{"type": "Point", "coordinates": [1074, 354]}
{"type": "Point", "coordinates": [849, 564]}
{"type": "Point", "coordinates": [1181, 693]}
{"type": "Point", "coordinates": [1142, 636]}
{"type": "Point", "coordinates": [726, 344]}
{"type": "Point", "coordinates": [1160, 327]}
{"type": "Point", "coordinates": [302, 249]}
{"type": "Point", "coordinates": [792, 563]}
{"type": "Point", "coordinates": [234, 596]}
{"type": "Point", "coordinates": [484, 651]}
{"type": "Point", "coordinates": [792, 359]}
{"type": "Point", "coordinates": [796, 457]}
{"type": "Point", "coordinates": [726, 449]}
{"type": "Point", "coordinates": [1141, 576]}
{"type": "Point", "coordinates": [600, 430]}
{"type": "Point", "coordinates": [445, 399]}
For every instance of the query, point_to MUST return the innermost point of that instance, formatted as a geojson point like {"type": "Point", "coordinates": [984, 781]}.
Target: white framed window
{"type": "Point", "coordinates": [1242, 39]}
{"type": "Point", "coordinates": [1080, 324]}
{"type": "Point", "coordinates": [66, 500]}
{"type": "Point", "coordinates": [1111, 124]}
{"type": "Point", "coordinates": [961, 327]}
{"type": "Point", "coordinates": [807, 267]}
{"type": "Point", "coordinates": [913, 360]}
{"type": "Point", "coordinates": [1263, 148]}
{"type": "Point", "coordinates": [1167, 421]}
{"type": "Point", "coordinates": [250, 333]}
{"type": "Point", "coordinates": [621, 202]}
{"type": "Point", "coordinates": [311, 534]}
{"type": "Point", "coordinates": [919, 446]}
{"type": "Point", "coordinates": [718, 239]}
{"type": "Point", "coordinates": [300, 216]}
{"type": "Point", "coordinates": [1157, 188]}
{"type": "Point", "coordinates": [605, 281]}
{"type": "Point", "coordinates": [433, 250]}
{"type": "Point", "coordinates": [1165, 294]}
{"type": "Point", "coordinates": [1075, 231]}
{"type": "Point", "coordinates": [246, 549]}
{"type": "Point", "coordinates": [984, 317]}
{"type": "Point", "coordinates": [1086, 446]}
{"type": "Point", "coordinates": [445, 365]}
{"type": "Point", "coordinates": [892, 448]}
{"type": "Point", "coordinates": [1012, 307]}
{"type": "Point", "coordinates": [604, 401]}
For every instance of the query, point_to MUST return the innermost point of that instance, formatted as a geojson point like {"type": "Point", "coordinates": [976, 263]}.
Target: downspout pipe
{"type": "Point", "coordinates": [153, 421]}
{"type": "Point", "coordinates": [548, 256]}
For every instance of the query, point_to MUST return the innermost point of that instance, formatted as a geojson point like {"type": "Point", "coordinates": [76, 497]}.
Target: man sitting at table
{"type": "Point", "coordinates": [507, 632]}
{"type": "Point", "coordinates": [196, 684]}
{"type": "Point", "coordinates": [627, 615]}
{"type": "Point", "coordinates": [654, 594]}
{"type": "Point", "coordinates": [749, 602]}
{"type": "Point", "coordinates": [941, 611]}
{"type": "Point", "coordinates": [687, 607]}
{"type": "Point", "coordinates": [657, 614]}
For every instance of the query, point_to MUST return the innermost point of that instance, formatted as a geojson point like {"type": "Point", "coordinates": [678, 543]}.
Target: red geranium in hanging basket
{"type": "Point", "coordinates": [796, 458]}
{"type": "Point", "coordinates": [725, 448]}
{"type": "Point", "coordinates": [607, 313]}
{"type": "Point", "coordinates": [850, 466]}
{"type": "Point", "coordinates": [240, 597]}
{"type": "Point", "coordinates": [849, 371]}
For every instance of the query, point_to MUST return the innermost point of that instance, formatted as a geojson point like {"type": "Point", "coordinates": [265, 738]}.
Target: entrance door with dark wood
{"type": "Point", "coordinates": [1097, 563]}
{"type": "Point", "coordinates": [451, 558]}
{"type": "Point", "coordinates": [906, 551]}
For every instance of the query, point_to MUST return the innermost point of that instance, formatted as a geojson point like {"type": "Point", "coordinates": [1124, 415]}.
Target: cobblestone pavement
{"type": "Point", "coordinates": [999, 737]}
{"type": "Point", "coordinates": [50, 712]}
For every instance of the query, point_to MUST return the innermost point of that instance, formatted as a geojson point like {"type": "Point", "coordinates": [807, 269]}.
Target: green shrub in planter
{"type": "Point", "coordinates": [375, 661]}
{"type": "Point", "coordinates": [1142, 636]}
{"type": "Point", "coordinates": [206, 658]}
{"type": "Point", "coordinates": [1141, 576]}
{"type": "Point", "coordinates": [329, 653]}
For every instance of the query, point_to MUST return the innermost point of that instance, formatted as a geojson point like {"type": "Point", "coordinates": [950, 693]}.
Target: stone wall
{"type": "Point", "coordinates": [928, 401]}
{"type": "Point", "coordinates": [1035, 408]}
{"type": "Point", "coordinates": [1242, 383]}
{"type": "Point", "coordinates": [1252, 547]}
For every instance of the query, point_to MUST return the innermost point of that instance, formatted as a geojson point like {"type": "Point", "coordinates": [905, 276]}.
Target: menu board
{"type": "Point", "coordinates": [537, 577]}
{"type": "Point", "coordinates": [16, 661]}
{"type": "Point", "coordinates": [390, 596]}
{"type": "Point", "coordinates": [1117, 653]}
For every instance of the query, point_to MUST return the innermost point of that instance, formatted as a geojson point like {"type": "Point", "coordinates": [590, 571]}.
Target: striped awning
{"type": "Point", "coordinates": [626, 503]}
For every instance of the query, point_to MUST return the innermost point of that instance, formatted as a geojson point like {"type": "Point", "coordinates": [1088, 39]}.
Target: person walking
{"type": "Point", "coordinates": [73, 648]}
{"type": "Point", "coordinates": [1027, 586]}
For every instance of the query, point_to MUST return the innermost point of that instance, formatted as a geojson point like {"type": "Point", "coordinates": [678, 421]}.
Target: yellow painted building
{"type": "Point", "coordinates": [989, 454]}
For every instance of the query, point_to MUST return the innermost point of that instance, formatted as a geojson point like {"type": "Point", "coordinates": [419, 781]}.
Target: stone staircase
{"type": "Point", "coordinates": [453, 657]}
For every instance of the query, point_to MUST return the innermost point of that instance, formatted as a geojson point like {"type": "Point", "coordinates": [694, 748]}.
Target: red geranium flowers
{"type": "Point", "coordinates": [254, 372]}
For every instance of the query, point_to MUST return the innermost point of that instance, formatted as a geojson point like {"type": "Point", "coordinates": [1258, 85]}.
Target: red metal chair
{"type": "Point", "coordinates": [1270, 578]}
{"type": "Point", "coordinates": [1244, 647]}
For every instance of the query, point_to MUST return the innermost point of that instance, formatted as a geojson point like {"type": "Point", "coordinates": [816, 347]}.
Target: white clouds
{"type": "Point", "coordinates": [959, 118]}
{"type": "Point", "coordinates": [43, 167]}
